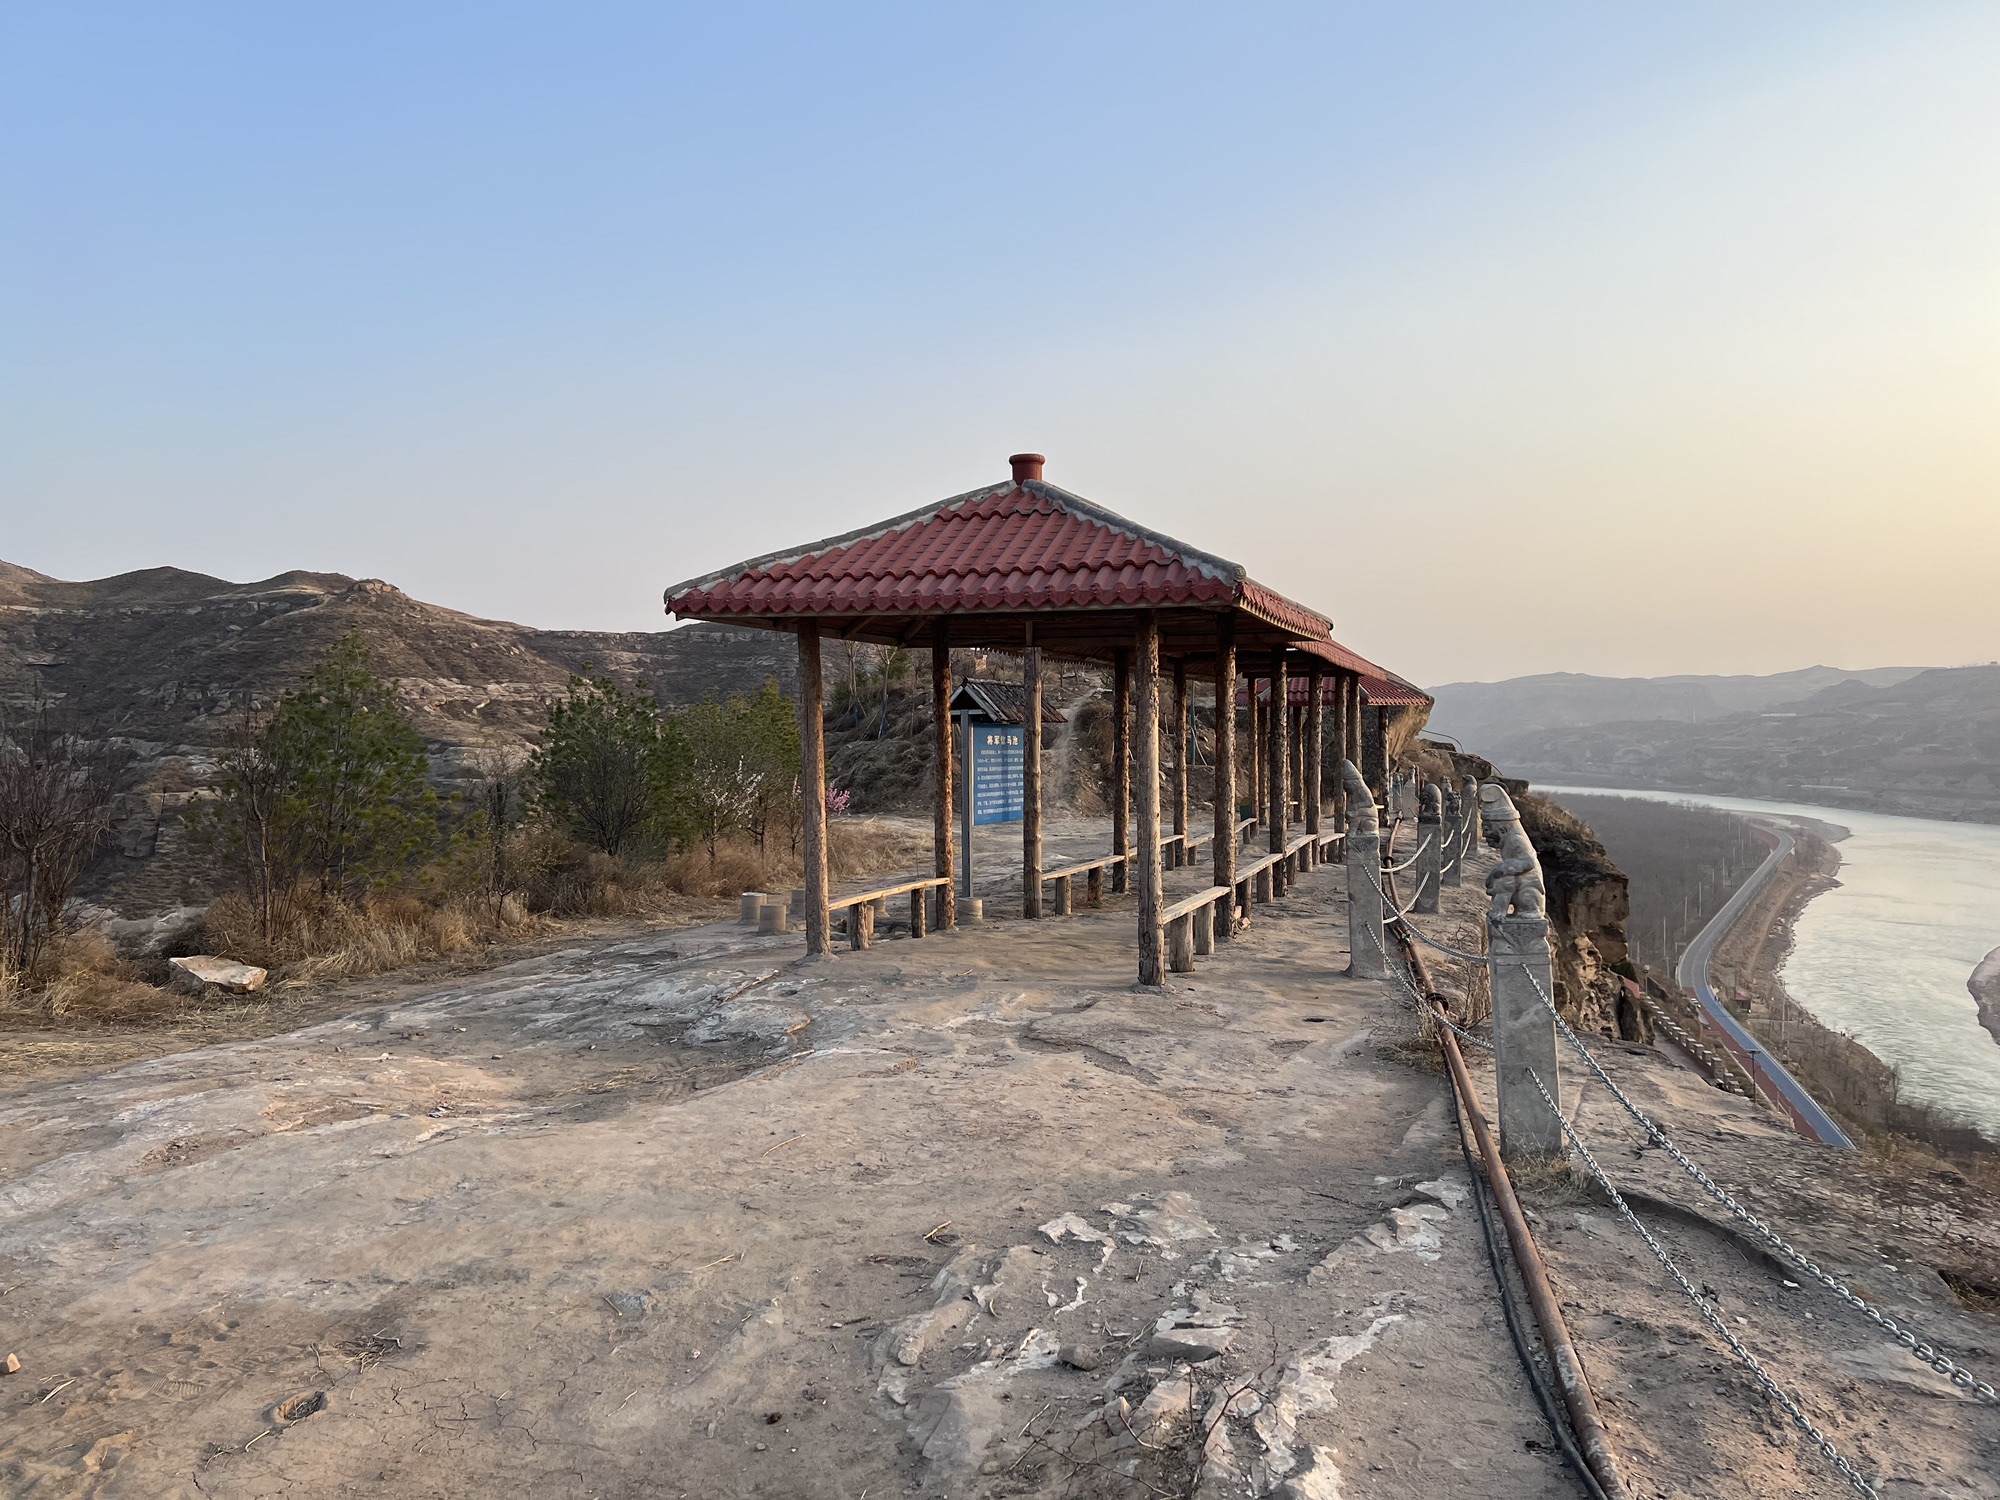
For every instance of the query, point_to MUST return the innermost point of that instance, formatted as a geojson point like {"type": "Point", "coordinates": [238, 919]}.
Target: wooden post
{"type": "Point", "coordinates": [1204, 930]}
{"type": "Point", "coordinates": [1375, 751]}
{"type": "Point", "coordinates": [1147, 772]}
{"type": "Point", "coordinates": [1354, 718]}
{"type": "Point", "coordinates": [941, 807]}
{"type": "Point", "coordinates": [812, 792]}
{"type": "Point", "coordinates": [1222, 848]}
{"type": "Point", "coordinates": [1255, 748]}
{"type": "Point", "coordinates": [1276, 764]}
{"type": "Point", "coordinates": [1339, 743]}
{"type": "Point", "coordinates": [1180, 944]}
{"type": "Point", "coordinates": [1121, 768]}
{"type": "Point", "coordinates": [1031, 779]}
{"type": "Point", "coordinates": [1312, 783]}
{"type": "Point", "coordinates": [1180, 762]}
{"type": "Point", "coordinates": [1296, 744]}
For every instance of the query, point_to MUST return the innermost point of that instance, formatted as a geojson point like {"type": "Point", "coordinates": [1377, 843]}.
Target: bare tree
{"type": "Point", "coordinates": [56, 791]}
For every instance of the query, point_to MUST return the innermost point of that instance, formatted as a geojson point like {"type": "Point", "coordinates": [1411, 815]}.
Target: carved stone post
{"type": "Point", "coordinates": [1475, 833]}
{"type": "Point", "coordinates": [1366, 955]}
{"type": "Point", "coordinates": [1430, 848]}
{"type": "Point", "coordinates": [1454, 839]}
{"type": "Point", "coordinates": [1524, 1030]}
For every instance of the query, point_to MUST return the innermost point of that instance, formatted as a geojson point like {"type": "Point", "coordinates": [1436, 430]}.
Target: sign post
{"type": "Point", "coordinates": [994, 758]}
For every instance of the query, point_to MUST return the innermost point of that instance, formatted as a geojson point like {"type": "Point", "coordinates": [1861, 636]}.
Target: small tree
{"type": "Point", "coordinates": [717, 790]}
{"type": "Point", "coordinates": [56, 791]}
{"type": "Point", "coordinates": [770, 731]}
{"type": "Point", "coordinates": [602, 762]}
{"type": "Point", "coordinates": [330, 788]}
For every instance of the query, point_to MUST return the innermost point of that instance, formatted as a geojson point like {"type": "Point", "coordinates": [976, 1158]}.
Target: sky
{"type": "Point", "coordinates": [1517, 338]}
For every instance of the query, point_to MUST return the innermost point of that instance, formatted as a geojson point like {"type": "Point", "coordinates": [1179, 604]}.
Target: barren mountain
{"type": "Point", "coordinates": [1486, 715]}
{"type": "Point", "coordinates": [165, 659]}
{"type": "Point", "coordinates": [1928, 746]}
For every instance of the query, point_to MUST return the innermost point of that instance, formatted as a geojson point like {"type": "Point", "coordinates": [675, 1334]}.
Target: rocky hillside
{"type": "Point", "coordinates": [165, 659]}
{"type": "Point", "coordinates": [1927, 746]}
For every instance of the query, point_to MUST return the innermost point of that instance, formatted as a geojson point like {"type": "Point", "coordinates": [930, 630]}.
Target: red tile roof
{"type": "Point", "coordinates": [1007, 548]}
{"type": "Point", "coordinates": [1384, 690]}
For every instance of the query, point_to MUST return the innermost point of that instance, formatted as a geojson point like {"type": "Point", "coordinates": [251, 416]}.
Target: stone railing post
{"type": "Point", "coordinates": [1363, 850]}
{"type": "Point", "coordinates": [1430, 848]}
{"type": "Point", "coordinates": [1454, 839]}
{"type": "Point", "coordinates": [1469, 797]}
{"type": "Point", "coordinates": [1524, 1031]}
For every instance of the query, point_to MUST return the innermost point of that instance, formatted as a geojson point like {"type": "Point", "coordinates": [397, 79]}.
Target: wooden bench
{"type": "Point", "coordinates": [1189, 926]}
{"type": "Point", "coordinates": [1093, 871]}
{"type": "Point", "coordinates": [859, 910]}
{"type": "Point", "coordinates": [1253, 881]}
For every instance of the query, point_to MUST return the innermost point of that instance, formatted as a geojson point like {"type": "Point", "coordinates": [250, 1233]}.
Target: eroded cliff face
{"type": "Point", "coordinates": [1589, 903]}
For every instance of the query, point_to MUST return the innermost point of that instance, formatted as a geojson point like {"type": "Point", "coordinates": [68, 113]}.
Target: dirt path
{"type": "Point", "coordinates": [675, 1215]}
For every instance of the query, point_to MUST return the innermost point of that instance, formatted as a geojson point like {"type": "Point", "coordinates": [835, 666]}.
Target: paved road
{"type": "Point", "coordinates": [1693, 975]}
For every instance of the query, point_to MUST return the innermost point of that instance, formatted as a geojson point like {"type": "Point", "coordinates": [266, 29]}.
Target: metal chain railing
{"type": "Point", "coordinates": [1919, 1347]}
{"type": "Point", "coordinates": [1749, 1361]}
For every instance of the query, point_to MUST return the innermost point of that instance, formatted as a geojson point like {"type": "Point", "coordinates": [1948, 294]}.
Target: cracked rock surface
{"type": "Point", "coordinates": [970, 1216]}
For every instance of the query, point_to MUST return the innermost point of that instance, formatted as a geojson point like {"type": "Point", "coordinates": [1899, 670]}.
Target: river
{"type": "Point", "coordinates": [1885, 955]}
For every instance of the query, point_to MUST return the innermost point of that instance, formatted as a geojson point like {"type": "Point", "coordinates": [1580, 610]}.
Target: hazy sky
{"type": "Point", "coordinates": [1518, 338]}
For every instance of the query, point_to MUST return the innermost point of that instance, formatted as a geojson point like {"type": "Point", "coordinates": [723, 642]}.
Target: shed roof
{"type": "Point", "coordinates": [1021, 547]}
{"type": "Point", "coordinates": [1002, 702]}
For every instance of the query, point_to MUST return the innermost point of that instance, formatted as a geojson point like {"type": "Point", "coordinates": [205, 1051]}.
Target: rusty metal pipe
{"type": "Point", "coordinates": [1584, 1417]}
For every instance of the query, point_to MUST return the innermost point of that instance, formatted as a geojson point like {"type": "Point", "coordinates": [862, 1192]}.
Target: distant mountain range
{"type": "Point", "coordinates": [166, 659]}
{"type": "Point", "coordinates": [1904, 740]}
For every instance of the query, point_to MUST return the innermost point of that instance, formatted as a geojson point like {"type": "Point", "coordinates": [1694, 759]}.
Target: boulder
{"type": "Point", "coordinates": [206, 974]}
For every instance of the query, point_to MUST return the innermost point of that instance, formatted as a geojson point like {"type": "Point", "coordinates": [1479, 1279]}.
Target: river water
{"type": "Point", "coordinates": [1885, 955]}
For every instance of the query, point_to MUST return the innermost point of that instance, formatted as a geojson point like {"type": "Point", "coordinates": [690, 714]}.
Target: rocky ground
{"type": "Point", "coordinates": [675, 1214]}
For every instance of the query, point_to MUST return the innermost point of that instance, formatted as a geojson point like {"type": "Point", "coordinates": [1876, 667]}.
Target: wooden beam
{"type": "Point", "coordinates": [1152, 967]}
{"type": "Point", "coordinates": [1031, 778]}
{"type": "Point", "coordinates": [812, 792]}
{"type": "Point", "coordinates": [942, 850]}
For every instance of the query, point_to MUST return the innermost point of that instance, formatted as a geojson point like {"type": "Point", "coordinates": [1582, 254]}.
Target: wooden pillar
{"type": "Point", "coordinates": [942, 852]}
{"type": "Point", "coordinates": [1312, 782]}
{"type": "Point", "coordinates": [812, 792]}
{"type": "Point", "coordinates": [1375, 750]}
{"type": "Point", "coordinates": [1031, 779]}
{"type": "Point", "coordinates": [1180, 720]}
{"type": "Point", "coordinates": [1339, 744]}
{"type": "Point", "coordinates": [1353, 750]}
{"type": "Point", "coordinates": [1146, 769]}
{"type": "Point", "coordinates": [1275, 756]}
{"type": "Point", "coordinates": [1255, 751]}
{"type": "Point", "coordinates": [1121, 767]}
{"type": "Point", "coordinates": [1222, 848]}
{"type": "Point", "coordinates": [1296, 732]}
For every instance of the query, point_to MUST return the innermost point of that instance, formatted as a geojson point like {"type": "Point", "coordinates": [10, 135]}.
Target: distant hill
{"type": "Point", "coordinates": [1927, 744]}
{"type": "Point", "coordinates": [1486, 716]}
{"type": "Point", "coordinates": [166, 659]}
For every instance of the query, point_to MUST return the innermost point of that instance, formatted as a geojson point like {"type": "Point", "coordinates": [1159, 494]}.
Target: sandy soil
{"type": "Point", "coordinates": [678, 1215]}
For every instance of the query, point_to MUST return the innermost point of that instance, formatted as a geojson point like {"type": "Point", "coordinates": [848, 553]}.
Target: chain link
{"type": "Point", "coordinates": [1750, 1362]}
{"type": "Point", "coordinates": [1919, 1347]}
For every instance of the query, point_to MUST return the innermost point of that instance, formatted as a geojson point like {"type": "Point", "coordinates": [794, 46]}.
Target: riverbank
{"type": "Point", "coordinates": [1848, 1079]}
{"type": "Point", "coordinates": [1985, 987]}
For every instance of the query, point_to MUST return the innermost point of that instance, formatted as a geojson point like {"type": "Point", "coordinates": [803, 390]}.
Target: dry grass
{"type": "Point", "coordinates": [315, 939]}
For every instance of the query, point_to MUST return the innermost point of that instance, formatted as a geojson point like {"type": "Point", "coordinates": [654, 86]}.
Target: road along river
{"type": "Point", "coordinates": [1885, 956]}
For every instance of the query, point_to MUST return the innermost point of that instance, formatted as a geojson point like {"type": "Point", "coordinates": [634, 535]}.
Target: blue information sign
{"type": "Point", "coordinates": [996, 773]}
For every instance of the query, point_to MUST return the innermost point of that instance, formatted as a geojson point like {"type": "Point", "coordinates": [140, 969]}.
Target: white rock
{"type": "Point", "coordinates": [204, 972]}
